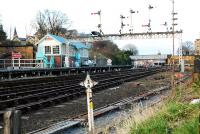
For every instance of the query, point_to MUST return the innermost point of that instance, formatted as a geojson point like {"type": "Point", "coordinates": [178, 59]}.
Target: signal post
{"type": "Point", "coordinates": [88, 84]}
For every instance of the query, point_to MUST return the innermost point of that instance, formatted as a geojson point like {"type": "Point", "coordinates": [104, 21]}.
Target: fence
{"type": "Point", "coordinates": [20, 63]}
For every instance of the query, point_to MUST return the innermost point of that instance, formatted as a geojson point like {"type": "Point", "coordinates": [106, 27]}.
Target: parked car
{"type": "Point", "coordinates": [87, 63]}
{"type": "Point", "coordinates": [96, 34]}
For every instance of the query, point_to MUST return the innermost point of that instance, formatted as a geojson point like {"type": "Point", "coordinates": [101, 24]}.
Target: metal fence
{"type": "Point", "coordinates": [20, 63]}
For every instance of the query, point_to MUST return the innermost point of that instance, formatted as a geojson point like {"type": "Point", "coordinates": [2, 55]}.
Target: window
{"type": "Point", "coordinates": [47, 50]}
{"type": "Point", "coordinates": [67, 50]}
{"type": "Point", "coordinates": [84, 52]}
{"type": "Point", "coordinates": [55, 49]}
{"type": "Point", "coordinates": [81, 53]}
{"type": "Point", "coordinates": [72, 51]}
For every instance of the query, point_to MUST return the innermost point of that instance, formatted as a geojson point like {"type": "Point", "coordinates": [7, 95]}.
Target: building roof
{"type": "Point", "coordinates": [148, 57]}
{"type": "Point", "coordinates": [22, 39]}
{"type": "Point", "coordinates": [74, 43]}
{"type": "Point", "coordinates": [15, 33]}
{"type": "Point", "coordinates": [79, 45]}
{"type": "Point", "coordinates": [58, 38]}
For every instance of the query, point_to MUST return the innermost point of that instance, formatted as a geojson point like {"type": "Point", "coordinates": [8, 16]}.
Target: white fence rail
{"type": "Point", "coordinates": [20, 63]}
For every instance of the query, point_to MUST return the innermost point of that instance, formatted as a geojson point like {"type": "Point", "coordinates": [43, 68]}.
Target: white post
{"type": "Point", "coordinates": [13, 62]}
{"type": "Point", "coordinates": [4, 64]}
{"type": "Point", "coordinates": [182, 66]}
{"type": "Point", "coordinates": [88, 83]}
{"type": "Point", "coordinates": [90, 110]}
{"type": "Point", "coordinates": [19, 62]}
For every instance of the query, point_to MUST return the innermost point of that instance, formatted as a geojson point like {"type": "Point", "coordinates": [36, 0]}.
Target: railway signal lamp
{"type": "Point", "coordinates": [88, 84]}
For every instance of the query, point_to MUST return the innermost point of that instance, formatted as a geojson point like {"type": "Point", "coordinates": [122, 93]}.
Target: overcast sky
{"type": "Point", "coordinates": [21, 13]}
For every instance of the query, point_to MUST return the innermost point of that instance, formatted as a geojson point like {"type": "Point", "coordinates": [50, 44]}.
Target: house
{"type": "Point", "coordinates": [56, 51]}
{"type": "Point", "coordinates": [23, 41]}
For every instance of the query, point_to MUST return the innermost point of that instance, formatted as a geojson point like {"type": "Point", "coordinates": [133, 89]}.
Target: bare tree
{"type": "Point", "coordinates": [53, 22]}
{"type": "Point", "coordinates": [187, 48]}
{"type": "Point", "coordinates": [132, 48]}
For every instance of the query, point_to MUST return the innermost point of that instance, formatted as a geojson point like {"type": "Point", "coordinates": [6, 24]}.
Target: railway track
{"type": "Point", "coordinates": [32, 95]}
{"type": "Point", "coordinates": [81, 119]}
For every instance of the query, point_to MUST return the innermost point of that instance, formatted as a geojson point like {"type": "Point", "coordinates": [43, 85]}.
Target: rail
{"type": "Point", "coordinates": [23, 99]}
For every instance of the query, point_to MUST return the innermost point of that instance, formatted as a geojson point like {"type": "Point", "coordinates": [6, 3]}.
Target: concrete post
{"type": "Point", "coordinates": [182, 66]}
{"type": "Point", "coordinates": [17, 122]}
{"type": "Point", "coordinates": [12, 122]}
{"type": "Point", "coordinates": [7, 129]}
{"type": "Point", "coordinates": [19, 63]}
{"type": "Point", "coordinates": [4, 65]}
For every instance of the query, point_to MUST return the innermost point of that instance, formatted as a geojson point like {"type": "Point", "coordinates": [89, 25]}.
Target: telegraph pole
{"type": "Point", "coordinates": [88, 84]}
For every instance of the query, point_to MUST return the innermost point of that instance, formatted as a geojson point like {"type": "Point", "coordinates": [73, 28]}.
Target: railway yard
{"type": "Point", "coordinates": [92, 69]}
{"type": "Point", "coordinates": [48, 100]}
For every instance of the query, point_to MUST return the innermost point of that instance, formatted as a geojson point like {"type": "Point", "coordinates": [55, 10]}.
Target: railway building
{"type": "Point", "coordinates": [149, 60]}
{"type": "Point", "coordinates": [155, 60]}
{"type": "Point", "coordinates": [56, 51]}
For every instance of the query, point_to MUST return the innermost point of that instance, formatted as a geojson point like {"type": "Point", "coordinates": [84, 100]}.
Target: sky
{"type": "Point", "coordinates": [21, 14]}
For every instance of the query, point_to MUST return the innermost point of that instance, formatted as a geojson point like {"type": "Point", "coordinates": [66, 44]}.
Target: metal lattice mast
{"type": "Point", "coordinates": [173, 66]}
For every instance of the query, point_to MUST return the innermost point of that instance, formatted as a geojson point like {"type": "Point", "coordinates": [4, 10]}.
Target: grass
{"type": "Point", "coordinates": [176, 116]}
{"type": "Point", "coordinates": [172, 115]}
{"type": "Point", "coordinates": [189, 127]}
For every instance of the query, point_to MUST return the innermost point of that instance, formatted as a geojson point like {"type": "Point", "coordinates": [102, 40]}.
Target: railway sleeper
{"type": "Point", "coordinates": [84, 91]}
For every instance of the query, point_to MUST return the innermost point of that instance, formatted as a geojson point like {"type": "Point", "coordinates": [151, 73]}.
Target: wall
{"type": "Point", "coordinates": [197, 47]}
{"type": "Point", "coordinates": [26, 51]}
{"type": "Point", "coordinates": [187, 59]}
